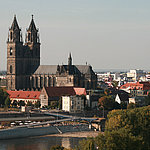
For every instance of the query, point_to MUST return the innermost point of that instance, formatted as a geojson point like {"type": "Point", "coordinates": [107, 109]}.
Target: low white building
{"type": "Point", "coordinates": [122, 97]}
{"type": "Point", "coordinates": [135, 75]}
{"type": "Point", "coordinates": [73, 103]}
{"type": "Point", "coordinates": [106, 76]}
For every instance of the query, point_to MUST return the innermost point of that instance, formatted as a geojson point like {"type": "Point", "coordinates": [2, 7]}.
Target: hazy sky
{"type": "Point", "coordinates": [108, 34]}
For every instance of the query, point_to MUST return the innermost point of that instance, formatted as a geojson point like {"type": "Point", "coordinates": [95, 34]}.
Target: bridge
{"type": "Point", "coordinates": [50, 118]}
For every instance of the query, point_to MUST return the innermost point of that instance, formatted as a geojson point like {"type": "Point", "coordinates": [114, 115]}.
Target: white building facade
{"type": "Point", "coordinates": [72, 103]}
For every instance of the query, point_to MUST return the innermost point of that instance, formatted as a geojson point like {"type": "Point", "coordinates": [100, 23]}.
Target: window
{"type": "Point", "coordinates": [78, 107]}
{"type": "Point", "coordinates": [11, 69]}
{"type": "Point", "coordinates": [11, 35]}
{"type": "Point", "coordinates": [11, 51]}
{"type": "Point", "coordinates": [41, 81]}
{"type": "Point", "coordinates": [29, 34]}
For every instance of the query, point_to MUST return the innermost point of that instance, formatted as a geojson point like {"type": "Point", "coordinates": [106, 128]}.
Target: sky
{"type": "Point", "coordinates": [107, 34]}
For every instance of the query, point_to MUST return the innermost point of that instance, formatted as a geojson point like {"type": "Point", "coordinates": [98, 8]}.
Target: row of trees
{"type": "Point", "coordinates": [22, 103]}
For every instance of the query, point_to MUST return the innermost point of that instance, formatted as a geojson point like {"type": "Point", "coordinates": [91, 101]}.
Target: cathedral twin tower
{"type": "Point", "coordinates": [24, 71]}
{"type": "Point", "coordinates": [22, 58]}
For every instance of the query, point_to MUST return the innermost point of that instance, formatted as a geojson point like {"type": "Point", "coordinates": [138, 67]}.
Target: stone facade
{"type": "Point", "coordinates": [22, 59]}
{"type": "Point", "coordinates": [25, 72]}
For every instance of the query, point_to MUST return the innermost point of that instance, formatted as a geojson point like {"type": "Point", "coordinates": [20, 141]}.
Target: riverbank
{"type": "Point", "coordinates": [83, 134]}
{"type": "Point", "coordinates": [22, 132]}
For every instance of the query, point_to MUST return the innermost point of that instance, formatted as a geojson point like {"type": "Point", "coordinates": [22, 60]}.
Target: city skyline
{"type": "Point", "coordinates": [107, 35]}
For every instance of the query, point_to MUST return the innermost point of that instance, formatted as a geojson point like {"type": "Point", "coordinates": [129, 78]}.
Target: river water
{"type": "Point", "coordinates": [38, 143]}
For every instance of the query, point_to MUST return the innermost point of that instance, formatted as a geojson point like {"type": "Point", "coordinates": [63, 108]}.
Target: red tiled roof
{"type": "Point", "coordinates": [24, 94]}
{"type": "Point", "coordinates": [137, 86]}
{"type": "Point", "coordinates": [64, 91]}
{"type": "Point", "coordinates": [80, 91]}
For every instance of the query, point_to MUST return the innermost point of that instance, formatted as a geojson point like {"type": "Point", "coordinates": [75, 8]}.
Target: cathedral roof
{"type": "Point", "coordinates": [85, 69]}
{"type": "Point", "coordinates": [46, 69]}
{"type": "Point", "coordinates": [14, 25]}
{"type": "Point", "coordinates": [75, 69]}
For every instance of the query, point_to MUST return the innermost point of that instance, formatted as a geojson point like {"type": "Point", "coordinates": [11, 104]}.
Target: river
{"type": "Point", "coordinates": [38, 143]}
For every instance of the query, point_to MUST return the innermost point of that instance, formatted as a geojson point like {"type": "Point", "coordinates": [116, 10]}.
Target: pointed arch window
{"type": "Point", "coordinates": [29, 36]}
{"type": "Point", "coordinates": [11, 69]}
{"type": "Point", "coordinates": [11, 35]}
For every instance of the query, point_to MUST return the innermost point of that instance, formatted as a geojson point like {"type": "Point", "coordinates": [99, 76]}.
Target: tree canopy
{"type": "Point", "coordinates": [108, 102]}
{"type": "Point", "coordinates": [4, 98]}
{"type": "Point", "coordinates": [124, 129]}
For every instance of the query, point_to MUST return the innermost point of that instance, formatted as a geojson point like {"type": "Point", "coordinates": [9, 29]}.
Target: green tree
{"type": "Point", "coordinates": [29, 103]}
{"type": "Point", "coordinates": [122, 139]}
{"type": "Point", "coordinates": [3, 97]}
{"type": "Point", "coordinates": [37, 104]}
{"type": "Point", "coordinates": [53, 104]}
{"type": "Point", "coordinates": [15, 103]}
{"type": "Point", "coordinates": [57, 147]}
{"type": "Point", "coordinates": [21, 103]}
{"type": "Point", "coordinates": [7, 102]}
{"type": "Point", "coordinates": [108, 103]}
{"type": "Point", "coordinates": [135, 121]}
{"type": "Point", "coordinates": [118, 140]}
{"type": "Point", "coordinates": [131, 106]}
{"type": "Point", "coordinates": [147, 100]}
{"type": "Point", "coordinates": [123, 105]}
{"type": "Point", "coordinates": [60, 104]}
{"type": "Point", "coordinates": [86, 144]}
{"type": "Point", "coordinates": [115, 84]}
{"type": "Point", "coordinates": [100, 141]}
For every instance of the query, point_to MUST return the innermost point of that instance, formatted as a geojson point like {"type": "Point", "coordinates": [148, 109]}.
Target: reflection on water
{"type": "Point", "coordinates": [38, 143]}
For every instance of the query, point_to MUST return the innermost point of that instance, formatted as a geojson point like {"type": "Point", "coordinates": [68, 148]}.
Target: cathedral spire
{"type": "Point", "coordinates": [15, 25]}
{"type": "Point", "coordinates": [32, 33]}
{"type": "Point", "coordinates": [70, 60]}
{"type": "Point", "coordinates": [32, 26]}
{"type": "Point", "coordinates": [14, 31]}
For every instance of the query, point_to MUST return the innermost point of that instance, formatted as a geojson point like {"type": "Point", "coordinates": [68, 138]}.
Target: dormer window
{"type": "Point", "coordinates": [11, 51]}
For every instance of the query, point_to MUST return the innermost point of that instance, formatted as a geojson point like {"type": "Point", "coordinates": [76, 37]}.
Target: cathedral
{"type": "Point", "coordinates": [24, 71]}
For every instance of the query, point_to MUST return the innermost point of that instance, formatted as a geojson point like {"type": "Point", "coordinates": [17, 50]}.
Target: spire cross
{"type": "Point", "coordinates": [32, 16]}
